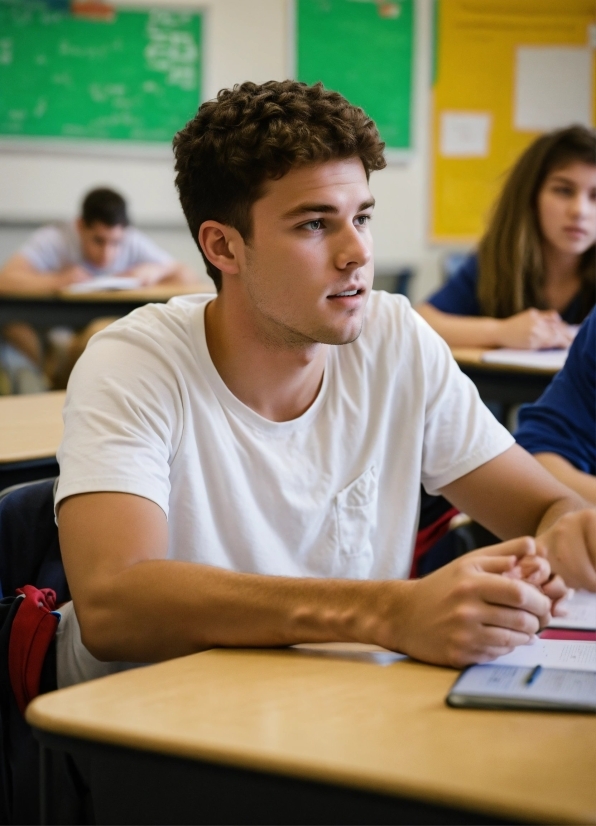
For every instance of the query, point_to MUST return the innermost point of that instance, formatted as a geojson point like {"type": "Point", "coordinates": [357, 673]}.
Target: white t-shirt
{"type": "Point", "coordinates": [56, 246]}
{"type": "Point", "coordinates": [333, 493]}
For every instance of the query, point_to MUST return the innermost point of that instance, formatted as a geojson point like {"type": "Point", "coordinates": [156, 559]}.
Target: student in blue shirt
{"type": "Point", "coordinates": [533, 274]}
{"type": "Point", "coordinates": [560, 428]}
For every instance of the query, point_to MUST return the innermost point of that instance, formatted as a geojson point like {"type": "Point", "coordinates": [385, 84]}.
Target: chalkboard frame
{"type": "Point", "coordinates": [113, 148]}
{"type": "Point", "coordinates": [393, 155]}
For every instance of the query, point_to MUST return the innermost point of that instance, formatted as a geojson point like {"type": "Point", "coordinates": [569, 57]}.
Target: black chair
{"type": "Point", "coordinates": [29, 555]}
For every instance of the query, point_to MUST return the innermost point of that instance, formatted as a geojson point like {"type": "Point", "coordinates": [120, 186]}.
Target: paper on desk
{"type": "Point", "coordinates": [350, 651]}
{"type": "Point", "coordinates": [578, 656]}
{"type": "Point", "coordinates": [105, 282]}
{"type": "Point", "coordinates": [581, 612]}
{"type": "Point", "coordinates": [535, 359]}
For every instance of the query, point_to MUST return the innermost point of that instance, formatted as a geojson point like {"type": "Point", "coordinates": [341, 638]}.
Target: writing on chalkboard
{"type": "Point", "coordinates": [135, 77]}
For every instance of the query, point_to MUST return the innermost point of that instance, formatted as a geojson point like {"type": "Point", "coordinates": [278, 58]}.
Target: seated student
{"type": "Point", "coordinates": [245, 470]}
{"type": "Point", "coordinates": [533, 274]}
{"type": "Point", "coordinates": [560, 428]}
{"type": "Point", "coordinates": [100, 242]}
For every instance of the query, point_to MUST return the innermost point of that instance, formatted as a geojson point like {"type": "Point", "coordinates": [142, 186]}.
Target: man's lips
{"type": "Point", "coordinates": [349, 292]}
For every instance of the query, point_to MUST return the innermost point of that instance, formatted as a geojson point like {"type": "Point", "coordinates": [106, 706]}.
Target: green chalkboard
{"type": "Point", "coordinates": [136, 77]}
{"type": "Point", "coordinates": [363, 49]}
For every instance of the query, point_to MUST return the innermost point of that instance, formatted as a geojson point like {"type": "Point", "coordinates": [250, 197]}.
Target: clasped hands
{"type": "Point", "coordinates": [480, 606]}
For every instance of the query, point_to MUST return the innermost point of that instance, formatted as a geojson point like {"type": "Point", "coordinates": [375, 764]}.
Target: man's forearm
{"type": "Point", "coordinates": [15, 280]}
{"type": "Point", "coordinates": [133, 604]}
{"type": "Point", "coordinates": [160, 609]}
{"type": "Point", "coordinates": [582, 483]}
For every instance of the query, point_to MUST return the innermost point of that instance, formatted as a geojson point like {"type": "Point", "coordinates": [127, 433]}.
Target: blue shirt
{"type": "Point", "coordinates": [563, 420]}
{"type": "Point", "coordinates": [459, 295]}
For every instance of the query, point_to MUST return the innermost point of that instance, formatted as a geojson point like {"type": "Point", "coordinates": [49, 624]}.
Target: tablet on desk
{"type": "Point", "coordinates": [538, 688]}
{"type": "Point", "coordinates": [555, 675]}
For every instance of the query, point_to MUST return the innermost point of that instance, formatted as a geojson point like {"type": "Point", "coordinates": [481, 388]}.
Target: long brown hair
{"type": "Point", "coordinates": [510, 258]}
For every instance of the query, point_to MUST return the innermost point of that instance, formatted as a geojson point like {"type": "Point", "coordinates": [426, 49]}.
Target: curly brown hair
{"type": "Point", "coordinates": [254, 133]}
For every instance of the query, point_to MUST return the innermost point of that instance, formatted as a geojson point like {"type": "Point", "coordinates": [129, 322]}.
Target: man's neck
{"type": "Point", "coordinates": [278, 382]}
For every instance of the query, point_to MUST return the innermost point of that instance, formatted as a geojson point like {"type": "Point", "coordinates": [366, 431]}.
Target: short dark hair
{"type": "Point", "coordinates": [254, 133]}
{"type": "Point", "coordinates": [104, 206]}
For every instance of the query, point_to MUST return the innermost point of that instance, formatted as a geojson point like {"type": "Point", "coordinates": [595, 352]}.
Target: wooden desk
{"type": "Point", "coordinates": [251, 736]}
{"type": "Point", "coordinates": [30, 432]}
{"type": "Point", "coordinates": [505, 384]}
{"type": "Point", "coordinates": [77, 310]}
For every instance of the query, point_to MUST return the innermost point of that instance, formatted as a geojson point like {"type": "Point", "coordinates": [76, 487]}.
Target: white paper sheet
{"type": "Point", "coordinates": [534, 359]}
{"type": "Point", "coordinates": [581, 612]}
{"type": "Point", "coordinates": [570, 654]}
{"type": "Point", "coordinates": [465, 134]}
{"type": "Point", "coordinates": [359, 652]}
{"type": "Point", "coordinates": [553, 87]}
{"type": "Point", "coordinates": [105, 282]}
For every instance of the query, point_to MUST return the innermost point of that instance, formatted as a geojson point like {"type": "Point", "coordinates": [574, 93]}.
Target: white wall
{"type": "Point", "coordinates": [246, 40]}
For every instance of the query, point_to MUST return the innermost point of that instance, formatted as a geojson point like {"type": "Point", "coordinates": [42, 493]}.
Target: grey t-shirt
{"type": "Point", "coordinates": [56, 246]}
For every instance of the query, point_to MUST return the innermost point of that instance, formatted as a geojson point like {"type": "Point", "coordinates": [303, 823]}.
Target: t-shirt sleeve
{"type": "Point", "coordinates": [460, 432]}
{"type": "Point", "coordinates": [563, 420]}
{"type": "Point", "coordinates": [143, 250]}
{"type": "Point", "coordinates": [459, 295]}
{"type": "Point", "coordinates": [122, 420]}
{"type": "Point", "coordinates": [46, 249]}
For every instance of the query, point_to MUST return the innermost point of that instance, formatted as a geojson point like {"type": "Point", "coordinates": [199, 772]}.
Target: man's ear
{"type": "Point", "coordinates": [222, 245]}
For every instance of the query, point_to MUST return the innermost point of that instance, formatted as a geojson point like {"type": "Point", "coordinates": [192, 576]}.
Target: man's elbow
{"type": "Point", "coordinates": [101, 630]}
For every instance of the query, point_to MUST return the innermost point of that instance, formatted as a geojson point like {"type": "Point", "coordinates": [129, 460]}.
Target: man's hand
{"type": "Point", "coordinates": [474, 609]}
{"type": "Point", "coordinates": [69, 275]}
{"type": "Point", "coordinates": [570, 547]}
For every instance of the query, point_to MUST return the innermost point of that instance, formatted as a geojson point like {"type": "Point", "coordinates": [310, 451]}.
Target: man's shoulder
{"type": "Point", "coordinates": [159, 325]}
{"type": "Point", "coordinates": [51, 246]}
{"type": "Point", "coordinates": [140, 248]}
{"type": "Point", "coordinates": [59, 233]}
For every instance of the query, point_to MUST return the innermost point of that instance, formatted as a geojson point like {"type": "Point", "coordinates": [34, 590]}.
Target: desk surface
{"type": "Point", "coordinates": [157, 292]}
{"type": "Point", "coordinates": [380, 728]}
{"type": "Point", "coordinates": [30, 426]}
{"type": "Point", "coordinates": [472, 357]}
{"type": "Point", "coordinates": [145, 294]}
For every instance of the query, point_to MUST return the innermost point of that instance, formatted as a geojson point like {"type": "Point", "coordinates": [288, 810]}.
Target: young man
{"type": "Point", "coordinates": [560, 428]}
{"type": "Point", "coordinates": [100, 242]}
{"type": "Point", "coordinates": [245, 471]}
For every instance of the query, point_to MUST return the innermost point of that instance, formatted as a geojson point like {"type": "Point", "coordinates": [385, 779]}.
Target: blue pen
{"type": "Point", "coordinates": [533, 674]}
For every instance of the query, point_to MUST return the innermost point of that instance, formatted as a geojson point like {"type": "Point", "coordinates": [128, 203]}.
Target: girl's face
{"type": "Point", "coordinates": [567, 208]}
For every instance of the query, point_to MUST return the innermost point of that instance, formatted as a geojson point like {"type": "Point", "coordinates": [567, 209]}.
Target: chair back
{"type": "Point", "coordinates": [29, 546]}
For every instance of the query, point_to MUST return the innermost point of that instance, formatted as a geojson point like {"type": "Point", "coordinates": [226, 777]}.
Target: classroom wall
{"type": "Point", "coordinates": [246, 39]}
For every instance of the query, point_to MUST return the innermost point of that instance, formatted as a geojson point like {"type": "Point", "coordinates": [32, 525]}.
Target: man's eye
{"type": "Point", "coordinates": [362, 220]}
{"type": "Point", "coordinates": [313, 225]}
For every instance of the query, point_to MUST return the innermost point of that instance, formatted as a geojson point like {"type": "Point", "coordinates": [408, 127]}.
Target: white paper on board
{"type": "Point", "coordinates": [465, 134]}
{"type": "Point", "coordinates": [553, 87]}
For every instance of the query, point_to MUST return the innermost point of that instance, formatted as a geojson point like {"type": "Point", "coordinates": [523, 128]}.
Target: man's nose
{"type": "Point", "coordinates": [354, 248]}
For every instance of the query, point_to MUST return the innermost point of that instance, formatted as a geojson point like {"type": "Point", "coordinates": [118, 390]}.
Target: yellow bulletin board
{"type": "Point", "coordinates": [506, 71]}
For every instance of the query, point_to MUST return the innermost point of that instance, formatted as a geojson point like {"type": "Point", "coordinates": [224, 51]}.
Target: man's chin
{"type": "Point", "coordinates": [346, 336]}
